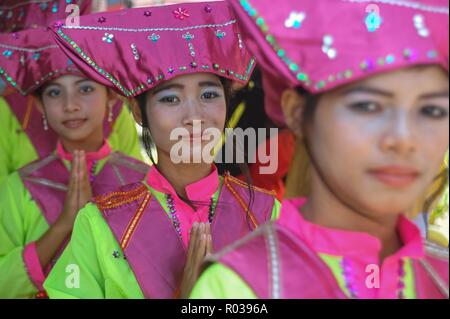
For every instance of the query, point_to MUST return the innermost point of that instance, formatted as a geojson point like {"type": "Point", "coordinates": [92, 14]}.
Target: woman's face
{"type": "Point", "coordinates": [380, 142]}
{"type": "Point", "coordinates": [192, 103]}
{"type": "Point", "coordinates": [75, 107]}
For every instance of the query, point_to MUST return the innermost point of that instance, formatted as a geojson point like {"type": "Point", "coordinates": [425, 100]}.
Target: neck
{"type": "Point", "coordinates": [324, 209]}
{"type": "Point", "coordinates": [89, 145]}
{"type": "Point", "coordinates": [181, 175]}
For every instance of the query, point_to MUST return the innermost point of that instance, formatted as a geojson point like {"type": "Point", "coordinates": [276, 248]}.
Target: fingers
{"type": "Point", "coordinates": [199, 253]}
{"type": "Point", "coordinates": [73, 176]}
{"type": "Point", "coordinates": [193, 240]}
{"type": "Point", "coordinates": [83, 168]}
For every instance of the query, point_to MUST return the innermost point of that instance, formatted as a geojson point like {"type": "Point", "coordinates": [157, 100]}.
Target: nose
{"type": "Point", "coordinates": [400, 136]}
{"type": "Point", "coordinates": [194, 113]}
{"type": "Point", "coordinates": [71, 103]}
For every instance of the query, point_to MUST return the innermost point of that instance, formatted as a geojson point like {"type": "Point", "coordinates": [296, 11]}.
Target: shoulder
{"type": "Point", "coordinates": [239, 184]}
{"type": "Point", "coordinates": [122, 196]}
{"type": "Point", "coordinates": [36, 165]}
{"type": "Point", "coordinates": [120, 159]}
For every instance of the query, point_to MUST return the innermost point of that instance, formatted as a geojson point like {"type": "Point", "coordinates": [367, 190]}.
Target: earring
{"type": "Point", "coordinates": [45, 122]}
{"type": "Point", "coordinates": [110, 113]}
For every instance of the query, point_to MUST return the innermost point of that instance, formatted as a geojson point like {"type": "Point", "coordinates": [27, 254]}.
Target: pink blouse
{"type": "Point", "coordinates": [200, 191]}
{"type": "Point", "coordinates": [359, 249]}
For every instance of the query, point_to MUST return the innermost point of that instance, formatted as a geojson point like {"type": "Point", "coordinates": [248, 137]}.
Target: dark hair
{"type": "Point", "coordinates": [141, 100]}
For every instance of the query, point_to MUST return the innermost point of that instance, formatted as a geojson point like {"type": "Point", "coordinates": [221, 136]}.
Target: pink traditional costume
{"type": "Point", "coordinates": [32, 199]}
{"type": "Point", "coordinates": [321, 45]}
{"type": "Point", "coordinates": [138, 235]}
{"type": "Point", "coordinates": [20, 122]}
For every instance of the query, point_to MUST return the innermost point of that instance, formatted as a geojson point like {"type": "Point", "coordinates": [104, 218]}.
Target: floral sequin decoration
{"type": "Point", "coordinates": [181, 13]}
{"type": "Point", "coordinates": [189, 37]}
{"type": "Point", "coordinates": [108, 37]}
{"type": "Point", "coordinates": [154, 37]}
{"type": "Point", "coordinates": [220, 34]}
{"type": "Point", "coordinates": [295, 20]}
{"type": "Point", "coordinates": [373, 19]}
{"type": "Point", "coordinates": [419, 24]}
{"type": "Point", "coordinates": [327, 47]}
{"type": "Point", "coordinates": [135, 51]}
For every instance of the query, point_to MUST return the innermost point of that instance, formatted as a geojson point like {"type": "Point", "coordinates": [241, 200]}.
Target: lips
{"type": "Point", "coordinates": [395, 176]}
{"type": "Point", "coordinates": [75, 123]}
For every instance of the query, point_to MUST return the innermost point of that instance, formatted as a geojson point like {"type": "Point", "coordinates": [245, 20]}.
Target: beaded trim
{"type": "Point", "coordinates": [11, 47]}
{"type": "Point", "coordinates": [118, 175]}
{"type": "Point", "coordinates": [407, 4]}
{"type": "Point", "coordinates": [48, 183]}
{"type": "Point", "coordinates": [142, 87]}
{"type": "Point", "coordinates": [244, 184]}
{"type": "Point", "coordinates": [43, 79]}
{"type": "Point", "coordinates": [343, 75]}
{"type": "Point", "coordinates": [274, 256]}
{"type": "Point", "coordinates": [134, 222]}
{"type": "Point", "coordinates": [27, 170]}
{"type": "Point", "coordinates": [202, 26]}
{"type": "Point", "coordinates": [438, 281]}
{"type": "Point", "coordinates": [293, 67]}
{"type": "Point", "coordinates": [116, 199]}
{"type": "Point", "coordinates": [24, 4]}
{"type": "Point", "coordinates": [241, 202]}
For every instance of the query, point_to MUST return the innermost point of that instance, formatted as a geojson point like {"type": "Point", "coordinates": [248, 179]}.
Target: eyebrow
{"type": "Point", "coordinates": [180, 86]}
{"type": "Point", "coordinates": [59, 84]}
{"type": "Point", "coordinates": [83, 80]}
{"type": "Point", "coordinates": [366, 89]}
{"type": "Point", "coordinates": [434, 95]}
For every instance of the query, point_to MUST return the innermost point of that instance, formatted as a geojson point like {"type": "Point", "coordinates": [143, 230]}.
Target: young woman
{"type": "Point", "coordinates": [371, 107]}
{"type": "Point", "coordinates": [149, 239]}
{"type": "Point", "coordinates": [40, 201]}
{"type": "Point", "coordinates": [23, 138]}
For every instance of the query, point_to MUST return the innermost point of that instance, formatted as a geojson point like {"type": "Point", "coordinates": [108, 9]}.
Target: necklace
{"type": "Point", "coordinates": [174, 215]}
{"type": "Point", "coordinates": [348, 274]}
{"type": "Point", "coordinates": [92, 172]}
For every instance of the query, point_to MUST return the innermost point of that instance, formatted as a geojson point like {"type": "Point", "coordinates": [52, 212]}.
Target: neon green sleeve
{"type": "Point", "coordinates": [276, 210]}
{"type": "Point", "coordinates": [88, 268]}
{"type": "Point", "coordinates": [13, 157]}
{"type": "Point", "coordinates": [21, 222]}
{"type": "Point", "coordinates": [220, 282]}
{"type": "Point", "coordinates": [124, 137]}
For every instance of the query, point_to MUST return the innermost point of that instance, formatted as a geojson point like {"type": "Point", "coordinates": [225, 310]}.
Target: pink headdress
{"type": "Point", "coordinates": [134, 50]}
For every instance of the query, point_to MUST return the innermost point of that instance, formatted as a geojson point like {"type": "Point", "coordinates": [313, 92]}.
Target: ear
{"type": "Point", "coordinates": [293, 105]}
{"type": "Point", "coordinates": [136, 110]}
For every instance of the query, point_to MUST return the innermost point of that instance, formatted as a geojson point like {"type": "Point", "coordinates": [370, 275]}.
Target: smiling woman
{"type": "Point", "coordinates": [148, 240]}
{"type": "Point", "coordinates": [40, 202]}
{"type": "Point", "coordinates": [66, 104]}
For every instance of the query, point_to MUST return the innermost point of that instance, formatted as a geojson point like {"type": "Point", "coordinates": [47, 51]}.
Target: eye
{"type": "Point", "coordinates": [366, 107]}
{"type": "Point", "coordinates": [434, 111]}
{"type": "Point", "coordinates": [52, 92]}
{"type": "Point", "coordinates": [172, 99]}
{"type": "Point", "coordinates": [85, 89]}
{"type": "Point", "coordinates": [210, 95]}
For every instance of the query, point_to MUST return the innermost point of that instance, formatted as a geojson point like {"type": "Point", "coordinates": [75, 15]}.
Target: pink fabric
{"type": "Point", "coordinates": [134, 50]}
{"type": "Point", "coordinates": [290, 42]}
{"type": "Point", "coordinates": [360, 248]}
{"type": "Point", "coordinates": [33, 265]}
{"type": "Point", "coordinates": [25, 14]}
{"type": "Point", "coordinates": [91, 157]}
{"type": "Point", "coordinates": [200, 191]}
{"type": "Point", "coordinates": [31, 58]}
